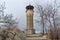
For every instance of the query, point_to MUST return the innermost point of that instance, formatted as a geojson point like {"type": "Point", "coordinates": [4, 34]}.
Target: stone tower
{"type": "Point", "coordinates": [29, 15]}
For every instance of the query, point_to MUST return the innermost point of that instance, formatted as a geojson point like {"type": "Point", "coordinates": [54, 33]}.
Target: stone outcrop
{"type": "Point", "coordinates": [14, 34]}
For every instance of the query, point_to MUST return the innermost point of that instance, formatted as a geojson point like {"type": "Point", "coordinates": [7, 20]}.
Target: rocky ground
{"type": "Point", "coordinates": [11, 35]}
{"type": "Point", "coordinates": [16, 34]}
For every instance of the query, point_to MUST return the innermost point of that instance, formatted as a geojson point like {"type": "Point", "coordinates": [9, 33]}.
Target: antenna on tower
{"type": "Point", "coordinates": [29, 3]}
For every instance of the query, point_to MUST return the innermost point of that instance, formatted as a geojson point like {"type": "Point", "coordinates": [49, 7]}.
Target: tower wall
{"type": "Point", "coordinates": [29, 24]}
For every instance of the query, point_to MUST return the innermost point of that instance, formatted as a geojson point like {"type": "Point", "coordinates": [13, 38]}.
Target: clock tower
{"type": "Point", "coordinates": [29, 16]}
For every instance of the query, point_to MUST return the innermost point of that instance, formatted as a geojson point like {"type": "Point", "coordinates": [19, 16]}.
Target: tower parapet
{"type": "Point", "coordinates": [29, 7]}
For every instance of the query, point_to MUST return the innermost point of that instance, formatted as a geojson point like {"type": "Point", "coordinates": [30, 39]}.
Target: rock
{"type": "Point", "coordinates": [8, 39]}
{"type": "Point", "coordinates": [17, 38]}
{"type": "Point", "coordinates": [0, 38]}
{"type": "Point", "coordinates": [10, 35]}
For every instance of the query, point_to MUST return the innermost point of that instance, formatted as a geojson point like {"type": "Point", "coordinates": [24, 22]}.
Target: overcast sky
{"type": "Point", "coordinates": [17, 8]}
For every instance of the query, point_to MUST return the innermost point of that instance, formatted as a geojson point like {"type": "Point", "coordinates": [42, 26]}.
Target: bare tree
{"type": "Point", "coordinates": [53, 18]}
{"type": "Point", "coordinates": [40, 10]}
{"type": "Point", "coordinates": [6, 19]}
{"type": "Point", "coordinates": [49, 15]}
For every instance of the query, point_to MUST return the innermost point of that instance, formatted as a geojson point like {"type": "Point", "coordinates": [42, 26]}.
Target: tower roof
{"type": "Point", "coordinates": [29, 7]}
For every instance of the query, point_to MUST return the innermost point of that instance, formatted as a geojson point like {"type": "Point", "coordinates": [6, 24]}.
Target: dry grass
{"type": "Point", "coordinates": [54, 33]}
